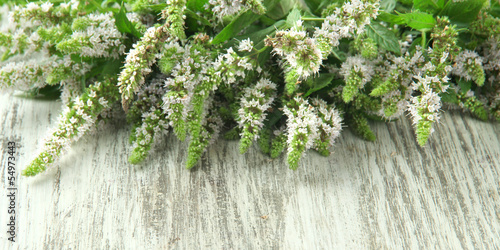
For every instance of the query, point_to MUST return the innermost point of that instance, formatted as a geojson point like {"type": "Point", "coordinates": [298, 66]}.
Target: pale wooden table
{"type": "Point", "coordinates": [389, 194]}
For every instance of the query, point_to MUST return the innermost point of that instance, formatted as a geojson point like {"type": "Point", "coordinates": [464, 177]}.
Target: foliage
{"type": "Point", "coordinates": [285, 75]}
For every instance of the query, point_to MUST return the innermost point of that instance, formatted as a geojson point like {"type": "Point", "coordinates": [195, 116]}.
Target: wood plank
{"type": "Point", "coordinates": [384, 194]}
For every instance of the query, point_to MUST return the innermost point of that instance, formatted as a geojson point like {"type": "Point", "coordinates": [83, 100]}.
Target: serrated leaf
{"type": "Point", "coordinates": [462, 12]}
{"type": "Point", "coordinates": [384, 38]}
{"type": "Point", "coordinates": [418, 20]}
{"type": "Point", "coordinates": [429, 6]}
{"type": "Point", "coordinates": [236, 26]}
{"type": "Point", "coordinates": [387, 5]}
{"type": "Point", "coordinates": [318, 83]}
{"type": "Point", "coordinates": [293, 17]}
{"type": "Point", "coordinates": [124, 25]}
{"type": "Point", "coordinates": [449, 96]}
{"type": "Point", "coordinates": [390, 18]}
{"type": "Point", "coordinates": [464, 85]}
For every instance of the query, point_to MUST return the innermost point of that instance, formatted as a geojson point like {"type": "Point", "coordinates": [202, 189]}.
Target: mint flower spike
{"type": "Point", "coordinates": [223, 8]}
{"type": "Point", "coordinates": [46, 14]}
{"type": "Point", "coordinates": [255, 102]}
{"type": "Point", "coordinates": [77, 118]}
{"type": "Point", "coordinates": [469, 66]}
{"type": "Point", "coordinates": [186, 76]}
{"type": "Point", "coordinates": [302, 129]}
{"type": "Point", "coordinates": [357, 71]}
{"type": "Point", "coordinates": [424, 108]}
{"type": "Point", "coordinates": [345, 22]}
{"type": "Point", "coordinates": [38, 73]}
{"type": "Point", "coordinates": [330, 125]}
{"type": "Point", "coordinates": [302, 58]}
{"type": "Point", "coordinates": [174, 18]}
{"type": "Point", "coordinates": [153, 122]}
{"type": "Point", "coordinates": [143, 55]}
{"type": "Point", "coordinates": [94, 35]}
{"type": "Point", "coordinates": [207, 134]}
{"type": "Point", "coordinates": [138, 63]}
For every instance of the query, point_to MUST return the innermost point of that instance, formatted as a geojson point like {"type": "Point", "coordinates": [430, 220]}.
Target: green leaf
{"type": "Point", "coordinates": [318, 83]}
{"type": "Point", "coordinates": [449, 96]}
{"type": "Point", "coordinates": [124, 25]}
{"type": "Point", "coordinates": [293, 17]}
{"type": "Point", "coordinates": [384, 38]}
{"type": "Point", "coordinates": [388, 5]}
{"type": "Point", "coordinates": [236, 26]}
{"type": "Point", "coordinates": [462, 13]}
{"type": "Point", "coordinates": [464, 85]}
{"type": "Point", "coordinates": [196, 5]}
{"type": "Point", "coordinates": [429, 6]}
{"type": "Point", "coordinates": [418, 20]}
{"type": "Point", "coordinates": [390, 18]}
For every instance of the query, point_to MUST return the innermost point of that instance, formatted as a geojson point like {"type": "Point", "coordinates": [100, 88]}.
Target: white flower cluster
{"type": "Point", "coordinates": [138, 63]}
{"type": "Point", "coordinates": [34, 15]}
{"type": "Point", "coordinates": [232, 65]}
{"type": "Point", "coordinates": [299, 50]}
{"type": "Point", "coordinates": [400, 72]}
{"type": "Point", "coordinates": [153, 122]}
{"type": "Point", "coordinates": [307, 124]}
{"type": "Point", "coordinates": [96, 35]}
{"type": "Point", "coordinates": [24, 75]}
{"type": "Point", "coordinates": [357, 71]}
{"type": "Point", "coordinates": [255, 102]}
{"type": "Point", "coordinates": [357, 65]}
{"type": "Point", "coordinates": [222, 8]}
{"type": "Point", "coordinates": [245, 45]}
{"type": "Point", "coordinates": [330, 124]}
{"type": "Point", "coordinates": [491, 59]}
{"type": "Point", "coordinates": [346, 21]}
{"type": "Point", "coordinates": [427, 105]}
{"type": "Point", "coordinates": [187, 74]}
{"type": "Point", "coordinates": [73, 123]}
{"type": "Point", "coordinates": [468, 64]}
{"type": "Point", "coordinates": [208, 133]}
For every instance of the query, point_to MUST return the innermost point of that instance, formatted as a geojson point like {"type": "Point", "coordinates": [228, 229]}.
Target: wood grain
{"type": "Point", "coordinates": [388, 194]}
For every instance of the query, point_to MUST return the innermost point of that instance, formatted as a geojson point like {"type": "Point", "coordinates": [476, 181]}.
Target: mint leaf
{"type": "Point", "coordinates": [418, 20]}
{"type": "Point", "coordinates": [318, 83]}
{"type": "Point", "coordinates": [293, 17]}
{"type": "Point", "coordinates": [236, 26]}
{"type": "Point", "coordinates": [124, 25]}
{"type": "Point", "coordinates": [429, 6]}
{"type": "Point", "coordinates": [462, 13]}
{"type": "Point", "coordinates": [384, 38]}
{"type": "Point", "coordinates": [387, 5]}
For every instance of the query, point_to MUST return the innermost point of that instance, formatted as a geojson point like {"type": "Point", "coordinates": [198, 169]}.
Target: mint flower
{"type": "Point", "coordinates": [138, 63]}
{"type": "Point", "coordinates": [302, 129]}
{"type": "Point", "coordinates": [25, 75]}
{"type": "Point", "coordinates": [469, 65]}
{"type": "Point", "coordinates": [223, 8]}
{"type": "Point", "coordinates": [77, 118]}
{"type": "Point", "coordinates": [357, 71]}
{"type": "Point", "coordinates": [255, 102]}
{"type": "Point", "coordinates": [330, 125]}
{"type": "Point", "coordinates": [345, 22]}
{"type": "Point", "coordinates": [424, 108]}
{"type": "Point", "coordinates": [153, 122]}
{"type": "Point", "coordinates": [94, 35]}
{"type": "Point", "coordinates": [185, 77]}
{"type": "Point", "coordinates": [207, 134]}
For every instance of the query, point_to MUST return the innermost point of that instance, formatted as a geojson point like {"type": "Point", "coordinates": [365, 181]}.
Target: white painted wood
{"type": "Point", "coordinates": [387, 194]}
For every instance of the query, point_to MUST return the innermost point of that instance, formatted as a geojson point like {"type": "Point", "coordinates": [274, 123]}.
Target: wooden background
{"type": "Point", "coordinates": [388, 194]}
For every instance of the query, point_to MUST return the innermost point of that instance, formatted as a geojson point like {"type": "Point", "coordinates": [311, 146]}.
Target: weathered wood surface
{"type": "Point", "coordinates": [390, 194]}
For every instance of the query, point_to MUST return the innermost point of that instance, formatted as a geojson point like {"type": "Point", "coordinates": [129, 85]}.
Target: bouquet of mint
{"type": "Point", "coordinates": [287, 75]}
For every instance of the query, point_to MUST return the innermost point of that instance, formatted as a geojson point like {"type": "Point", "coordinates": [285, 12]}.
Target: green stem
{"type": "Point", "coordinates": [312, 19]}
{"type": "Point", "coordinates": [423, 40]}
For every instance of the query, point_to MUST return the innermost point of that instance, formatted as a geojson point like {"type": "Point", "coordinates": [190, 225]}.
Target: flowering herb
{"type": "Point", "coordinates": [286, 76]}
